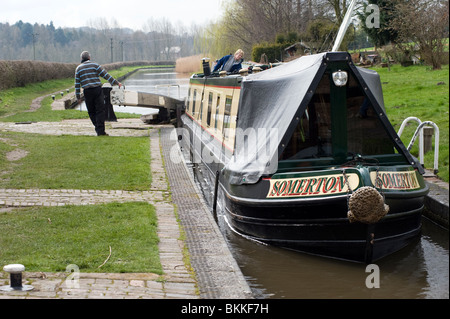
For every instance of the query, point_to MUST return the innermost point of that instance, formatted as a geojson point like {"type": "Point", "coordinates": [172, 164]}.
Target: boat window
{"type": "Point", "coordinates": [194, 101]}
{"type": "Point", "coordinates": [366, 134]}
{"type": "Point", "coordinates": [312, 136]}
{"type": "Point", "coordinates": [188, 106]}
{"type": "Point", "coordinates": [210, 102]}
{"type": "Point", "coordinates": [201, 108]}
{"type": "Point", "coordinates": [227, 116]}
{"type": "Point", "coordinates": [216, 117]}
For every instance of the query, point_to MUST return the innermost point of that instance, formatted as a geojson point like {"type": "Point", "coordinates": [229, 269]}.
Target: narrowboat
{"type": "Point", "coordinates": [303, 156]}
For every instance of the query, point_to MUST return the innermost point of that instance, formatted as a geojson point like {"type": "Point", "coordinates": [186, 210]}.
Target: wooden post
{"type": "Point", "coordinates": [427, 139]}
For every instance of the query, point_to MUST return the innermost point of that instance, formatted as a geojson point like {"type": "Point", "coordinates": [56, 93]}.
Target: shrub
{"type": "Point", "coordinates": [189, 64]}
{"type": "Point", "coordinates": [21, 73]}
{"type": "Point", "coordinates": [274, 52]}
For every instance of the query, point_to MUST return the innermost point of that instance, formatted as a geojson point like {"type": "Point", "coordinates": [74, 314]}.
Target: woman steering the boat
{"type": "Point", "coordinates": [230, 63]}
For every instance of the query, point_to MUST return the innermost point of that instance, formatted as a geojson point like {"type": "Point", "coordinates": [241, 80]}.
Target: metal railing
{"type": "Point", "coordinates": [419, 132]}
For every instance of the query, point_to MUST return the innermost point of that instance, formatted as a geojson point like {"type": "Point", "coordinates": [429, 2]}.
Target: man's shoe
{"type": "Point", "coordinates": [104, 134]}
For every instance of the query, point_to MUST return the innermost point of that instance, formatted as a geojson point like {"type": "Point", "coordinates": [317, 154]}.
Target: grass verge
{"type": "Point", "coordinates": [76, 162]}
{"type": "Point", "coordinates": [48, 239]}
{"type": "Point", "coordinates": [423, 93]}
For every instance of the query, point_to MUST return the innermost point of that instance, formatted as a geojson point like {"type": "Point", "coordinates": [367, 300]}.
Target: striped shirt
{"type": "Point", "coordinates": [87, 76]}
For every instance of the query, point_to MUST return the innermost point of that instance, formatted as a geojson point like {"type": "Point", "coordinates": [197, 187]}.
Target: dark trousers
{"type": "Point", "coordinates": [96, 108]}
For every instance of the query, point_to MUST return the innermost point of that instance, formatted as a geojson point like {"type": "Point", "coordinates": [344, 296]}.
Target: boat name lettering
{"type": "Point", "coordinates": [395, 180]}
{"type": "Point", "coordinates": [311, 186]}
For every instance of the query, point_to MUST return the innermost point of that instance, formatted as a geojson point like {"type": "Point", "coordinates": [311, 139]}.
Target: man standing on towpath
{"type": "Point", "coordinates": [87, 76]}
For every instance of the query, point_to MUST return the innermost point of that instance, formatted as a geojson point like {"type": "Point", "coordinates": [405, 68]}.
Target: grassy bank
{"type": "Point", "coordinates": [76, 162]}
{"type": "Point", "coordinates": [420, 92]}
{"type": "Point", "coordinates": [51, 238]}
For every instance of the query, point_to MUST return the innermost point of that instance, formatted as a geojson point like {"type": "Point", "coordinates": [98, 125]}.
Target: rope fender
{"type": "Point", "coordinates": [366, 205]}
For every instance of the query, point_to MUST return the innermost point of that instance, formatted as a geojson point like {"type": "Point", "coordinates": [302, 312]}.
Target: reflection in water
{"type": "Point", "coordinates": [436, 260]}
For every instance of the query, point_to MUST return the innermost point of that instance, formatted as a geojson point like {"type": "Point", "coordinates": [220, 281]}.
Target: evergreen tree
{"type": "Point", "coordinates": [384, 34]}
{"type": "Point", "coordinates": [60, 37]}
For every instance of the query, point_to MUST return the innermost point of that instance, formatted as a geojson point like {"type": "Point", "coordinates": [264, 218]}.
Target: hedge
{"type": "Point", "coordinates": [274, 52]}
{"type": "Point", "coordinates": [21, 73]}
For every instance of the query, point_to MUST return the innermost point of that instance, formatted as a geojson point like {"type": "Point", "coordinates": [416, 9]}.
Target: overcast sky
{"type": "Point", "coordinates": [128, 13]}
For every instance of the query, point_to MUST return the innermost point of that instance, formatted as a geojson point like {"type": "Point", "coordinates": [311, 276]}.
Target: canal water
{"type": "Point", "coordinates": [159, 81]}
{"type": "Point", "coordinates": [419, 271]}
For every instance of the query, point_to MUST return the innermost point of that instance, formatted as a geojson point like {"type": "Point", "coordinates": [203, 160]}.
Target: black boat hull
{"type": "Point", "coordinates": [331, 237]}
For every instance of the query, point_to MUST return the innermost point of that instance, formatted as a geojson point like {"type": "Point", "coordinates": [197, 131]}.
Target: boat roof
{"type": "Point", "coordinates": [272, 99]}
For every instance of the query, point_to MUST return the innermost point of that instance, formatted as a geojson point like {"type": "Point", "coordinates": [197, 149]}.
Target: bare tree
{"type": "Point", "coordinates": [340, 9]}
{"type": "Point", "coordinates": [423, 23]}
{"type": "Point", "coordinates": [167, 32]}
{"type": "Point", "coordinates": [249, 22]}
